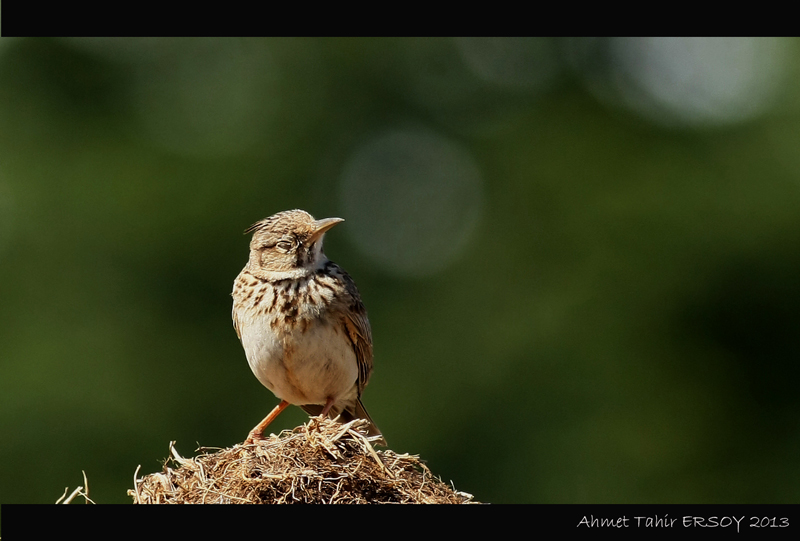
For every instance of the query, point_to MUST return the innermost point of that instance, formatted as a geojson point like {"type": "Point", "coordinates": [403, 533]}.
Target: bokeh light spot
{"type": "Point", "coordinates": [514, 63]}
{"type": "Point", "coordinates": [686, 81]}
{"type": "Point", "coordinates": [207, 97]}
{"type": "Point", "coordinates": [412, 198]}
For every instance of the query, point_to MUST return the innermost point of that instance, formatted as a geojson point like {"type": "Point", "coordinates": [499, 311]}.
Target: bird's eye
{"type": "Point", "coordinates": [284, 245]}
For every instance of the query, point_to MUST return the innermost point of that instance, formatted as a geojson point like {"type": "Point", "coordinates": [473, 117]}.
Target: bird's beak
{"type": "Point", "coordinates": [322, 226]}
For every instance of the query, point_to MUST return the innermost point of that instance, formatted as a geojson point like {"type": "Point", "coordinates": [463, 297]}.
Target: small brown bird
{"type": "Point", "coordinates": [301, 321]}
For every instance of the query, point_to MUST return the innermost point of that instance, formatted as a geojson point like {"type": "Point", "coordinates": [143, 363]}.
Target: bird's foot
{"type": "Point", "coordinates": [257, 434]}
{"type": "Point", "coordinates": [254, 437]}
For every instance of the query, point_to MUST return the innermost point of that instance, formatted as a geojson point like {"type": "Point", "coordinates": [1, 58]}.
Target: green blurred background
{"type": "Point", "coordinates": [579, 256]}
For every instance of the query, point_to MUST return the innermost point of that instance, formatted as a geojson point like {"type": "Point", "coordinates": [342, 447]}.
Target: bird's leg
{"type": "Point", "coordinates": [257, 434]}
{"type": "Point", "coordinates": [327, 408]}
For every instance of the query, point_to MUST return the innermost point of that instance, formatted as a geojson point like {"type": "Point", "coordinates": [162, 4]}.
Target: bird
{"type": "Point", "coordinates": [301, 322]}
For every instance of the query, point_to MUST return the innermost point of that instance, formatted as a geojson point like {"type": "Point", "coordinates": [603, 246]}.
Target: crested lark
{"type": "Point", "coordinates": [301, 321]}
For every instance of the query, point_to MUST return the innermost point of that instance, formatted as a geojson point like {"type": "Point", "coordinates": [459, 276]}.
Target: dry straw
{"type": "Point", "coordinates": [319, 462]}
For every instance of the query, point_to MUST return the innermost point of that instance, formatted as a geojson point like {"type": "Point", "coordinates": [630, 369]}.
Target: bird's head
{"type": "Point", "coordinates": [288, 241]}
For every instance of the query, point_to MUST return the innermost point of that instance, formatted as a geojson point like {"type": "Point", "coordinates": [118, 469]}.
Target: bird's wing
{"type": "Point", "coordinates": [360, 334]}
{"type": "Point", "coordinates": [357, 326]}
{"type": "Point", "coordinates": [236, 322]}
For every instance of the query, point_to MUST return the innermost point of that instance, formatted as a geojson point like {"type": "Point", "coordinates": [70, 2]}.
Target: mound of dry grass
{"type": "Point", "coordinates": [319, 462]}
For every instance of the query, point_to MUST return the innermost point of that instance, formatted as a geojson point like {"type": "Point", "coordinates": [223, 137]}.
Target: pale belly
{"type": "Point", "coordinates": [302, 368]}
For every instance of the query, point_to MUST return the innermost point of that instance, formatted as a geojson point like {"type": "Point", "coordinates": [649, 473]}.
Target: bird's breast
{"type": "Point", "coordinates": [295, 342]}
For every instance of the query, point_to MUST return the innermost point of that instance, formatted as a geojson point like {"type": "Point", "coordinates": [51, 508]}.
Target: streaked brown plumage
{"type": "Point", "coordinates": [301, 321]}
